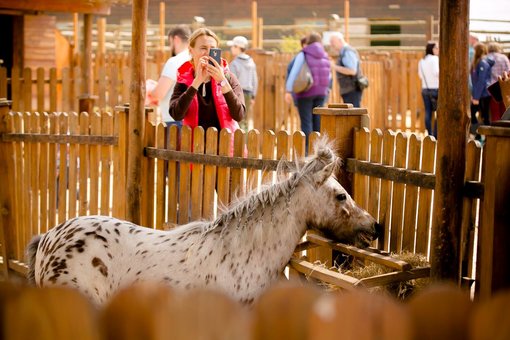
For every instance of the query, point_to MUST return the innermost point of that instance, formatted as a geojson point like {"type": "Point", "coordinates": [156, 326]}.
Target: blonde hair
{"type": "Point", "coordinates": [200, 32]}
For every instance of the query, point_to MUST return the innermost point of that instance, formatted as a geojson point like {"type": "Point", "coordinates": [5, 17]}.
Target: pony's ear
{"type": "Point", "coordinates": [321, 176]}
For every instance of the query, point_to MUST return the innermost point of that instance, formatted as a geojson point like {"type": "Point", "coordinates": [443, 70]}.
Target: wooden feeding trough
{"type": "Point", "coordinates": [396, 270]}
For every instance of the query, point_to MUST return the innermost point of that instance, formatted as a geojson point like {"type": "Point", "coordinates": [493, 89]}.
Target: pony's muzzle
{"type": "Point", "coordinates": [379, 230]}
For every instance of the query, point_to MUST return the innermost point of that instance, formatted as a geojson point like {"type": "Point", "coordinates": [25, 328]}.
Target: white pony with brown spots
{"type": "Point", "coordinates": [241, 253]}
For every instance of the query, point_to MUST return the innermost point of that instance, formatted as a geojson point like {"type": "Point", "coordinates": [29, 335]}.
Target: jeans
{"type": "Point", "coordinates": [483, 108]}
{"type": "Point", "coordinates": [353, 97]}
{"type": "Point", "coordinates": [309, 121]}
{"type": "Point", "coordinates": [426, 93]}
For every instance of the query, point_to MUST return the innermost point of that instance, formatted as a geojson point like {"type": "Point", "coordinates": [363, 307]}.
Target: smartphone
{"type": "Point", "coordinates": [215, 53]}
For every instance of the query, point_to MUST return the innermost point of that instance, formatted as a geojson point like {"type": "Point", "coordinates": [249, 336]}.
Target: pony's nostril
{"type": "Point", "coordinates": [379, 230]}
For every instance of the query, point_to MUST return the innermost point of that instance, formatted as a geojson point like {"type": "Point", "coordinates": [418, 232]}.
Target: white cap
{"type": "Point", "coordinates": [238, 41]}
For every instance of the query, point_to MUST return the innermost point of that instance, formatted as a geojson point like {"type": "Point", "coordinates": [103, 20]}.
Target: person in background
{"type": "Point", "coordinates": [207, 95]}
{"type": "Point", "coordinates": [302, 41]}
{"type": "Point", "coordinates": [428, 71]}
{"type": "Point", "coordinates": [347, 68]}
{"type": "Point", "coordinates": [318, 62]}
{"type": "Point", "coordinates": [178, 39]}
{"type": "Point", "coordinates": [245, 70]}
{"type": "Point", "coordinates": [480, 97]}
{"type": "Point", "coordinates": [501, 65]}
{"type": "Point", "coordinates": [504, 84]}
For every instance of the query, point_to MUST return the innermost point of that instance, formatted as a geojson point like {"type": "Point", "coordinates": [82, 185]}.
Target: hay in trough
{"type": "Point", "coordinates": [401, 290]}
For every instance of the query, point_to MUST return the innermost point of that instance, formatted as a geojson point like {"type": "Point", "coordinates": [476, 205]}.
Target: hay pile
{"type": "Point", "coordinates": [401, 290]}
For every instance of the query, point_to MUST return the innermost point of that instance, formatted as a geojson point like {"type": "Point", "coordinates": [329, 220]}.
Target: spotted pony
{"type": "Point", "coordinates": [241, 253]}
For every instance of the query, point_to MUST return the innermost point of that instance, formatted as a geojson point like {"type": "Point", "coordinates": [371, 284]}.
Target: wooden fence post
{"type": "Point", "coordinates": [494, 253]}
{"type": "Point", "coordinates": [338, 121]}
{"type": "Point", "coordinates": [7, 221]}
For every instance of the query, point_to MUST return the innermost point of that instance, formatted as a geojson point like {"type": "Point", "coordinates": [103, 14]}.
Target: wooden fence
{"type": "Point", "coordinates": [64, 165]}
{"type": "Point", "coordinates": [393, 98]}
{"type": "Point", "coordinates": [155, 312]}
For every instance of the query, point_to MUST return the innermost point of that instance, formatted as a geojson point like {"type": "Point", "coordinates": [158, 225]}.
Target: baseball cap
{"type": "Point", "coordinates": [238, 41]}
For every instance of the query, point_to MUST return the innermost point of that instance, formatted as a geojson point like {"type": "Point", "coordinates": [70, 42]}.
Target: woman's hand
{"type": "Point", "coordinates": [288, 97]}
{"type": "Point", "coordinates": [215, 71]}
{"type": "Point", "coordinates": [475, 101]}
{"type": "Point", "coordinates": [201, 74]}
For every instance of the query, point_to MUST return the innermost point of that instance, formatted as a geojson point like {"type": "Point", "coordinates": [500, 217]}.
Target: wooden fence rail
{"type": "Point", "coordinates": [393, 98]}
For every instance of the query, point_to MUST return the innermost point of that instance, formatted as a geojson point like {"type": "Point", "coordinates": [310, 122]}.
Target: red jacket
{"type": "Point", "coordinates": [186, 75]}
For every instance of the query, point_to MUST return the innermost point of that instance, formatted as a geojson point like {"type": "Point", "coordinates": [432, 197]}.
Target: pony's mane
{"type": "Point", "coordinates": [246, 206]}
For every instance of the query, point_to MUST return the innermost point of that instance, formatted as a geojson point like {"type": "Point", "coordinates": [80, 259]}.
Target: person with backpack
{"type": "Point", "coordinates": [317, 60]}
{"type": "Point", "coordinates": [347, 68]}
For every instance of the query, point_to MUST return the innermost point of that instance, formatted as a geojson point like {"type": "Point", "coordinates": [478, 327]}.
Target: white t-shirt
{"type": "Point", "coordinates": [170, 71]}
{"type": "Point", "coordinates": [428, 70]}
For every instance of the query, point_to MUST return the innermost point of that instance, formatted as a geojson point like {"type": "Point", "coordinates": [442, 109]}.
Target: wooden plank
{"type": "Point", "coordinates": [106, 164]}
{"type": "Point", "coordinates": [253, 152]}
{"type": "Point", "coordinates": [381, 259]}
{"type": "Point", "coordinates": [211, 148]}
{"type": "Point", "coordinates": [160, 179]}
{"type": "Point", "coordinates": [470, 220]}
{"type": "Point", "coordinates": [43, 175]}
{"type": "Point", "coordinates": [3, 82]}
{"type": "Point", "coordinates": [223, 187]}
{"type": "Point", "coordinates": [83, 170]}
{"type": "Point", "coordinates": [375, 183]}
{"type": "Point", "coordinates": [101, 87]}
{"type": "Point", "coordinates": [411, 197]}
{"type": "Point", "coordinates": [16, 89]}
{"type": "Point", "coordinates": [268, 152]}
{"type": "Point", "coordinates": [66, 90]}
{"type": "Point", "coordinates": [388, 278]}
{"type": "Point", "coordinates": [40, 89]}
{"type": "Point", "coordinates": [361, 152]}
{"type": "Point", "coordinates": [74, 128]}
{"type": "Point", "coordinates": [323, 274]}
{"type": "Point", "coordinates": [237, 187]}
{"type": "Point", "coordinates": [113, 92]}
{"type": "Point", "coordinates": [184, 178]}
{"type": "Point", "coordinates": [63, 174]}
{"type": "Point", "coordinates": [397, 206]}
{"type": "Point", "coordinates": [120, 166]}
{"type": "Point", "coordinates": [95, 156]}
{"type": "Point", "coordinates": [298, 145]}
{"type": "Point", "coordinates": [27, 90]}
{"type": "Point", "coordinates": [386, 189]}
{"type": "Point", "coordinates": [34, 160]}
{"type": "Point", "coordinates": [172, 188]}
{"type": "Point", "coordinates": [425, 197]}
{"type": "Point", "coordinates": [53, 90]}
{"type": "Point", "coordinates": [52, 174]}
{"type": "Point", "coordinates": [197, 175]}
{"type": "Point", "coordinates": [76, 90]}
{"type": "Point", "coordinates": [20, 184]}
{"type": "Point", "coordinates": [147, 176]}
{"type": "Point", "coordinates": [63, 139]}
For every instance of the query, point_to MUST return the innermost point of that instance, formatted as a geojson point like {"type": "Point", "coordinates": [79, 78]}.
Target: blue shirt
{"type": "Point", "coordinates": [349, 58]}
{"type": "Point", "coordinates": [298, 62]}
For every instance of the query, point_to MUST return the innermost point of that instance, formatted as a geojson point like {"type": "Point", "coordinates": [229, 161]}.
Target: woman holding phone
{"type": "Point", "coordinates": [206, 92]}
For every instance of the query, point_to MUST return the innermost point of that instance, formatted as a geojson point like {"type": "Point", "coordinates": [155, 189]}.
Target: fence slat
{"type": "Point", "coordinates": [27, 90]}
{"type": "Point", "coordinates": [74, 129]}
{"type": "Point", "coordinates": [211, 148]}
{"type": "Point", "coordinates": [184, 178]}
{"type": "Point", "coordinates": [66, 90]}
{"type": "Point", "coordinates": [83, 163]}
{"type": "Point", "coordinates": [106, 163]}
{"type": "Point", "coordinates": [172, 181]}
{"type": "Point", "coordinates": [268, 144]}
{"type": "Point", "coordinates": [425, 197]}
{"type": "Point", "coordinates": [237, 188]}
{"type": "Point", "coordinates": [411, 197]}
{"type": "Point", "coordinates": [397, 205]}
{"type": "Point", "coordinates": [148, 175]}
{"type": "Point", "coordinates": [197, 175]}
{"type": "Point", "coordinates": [53, 92]}
{"type": "Point", "coordinates": [20, 184]}
{"type": "Point", "coordinates": [386, 189]}
{"type": "Point", "coordinates": [252, 177]}
{"type": "Point", "coordinates": [361, 152]}
{"type": "Point", "coordinates": [34, 160]}
{"type": "Point", "coordinates": [375, 183]}
{"type": "Point", "coordinates": [224, 172]}
{"type": "Point", "coordinates": [52, 173]}
{"type": "Point", "coordinates": [120, 167]}
{"type": "Point", "coordinates": [40, 95]}
{"type": "Point", "coordinates": [63, 172]}
{"type": "Point", "coordinates": [95, 156]}
{"type": "Point", "coordinates": [160, 179]}
{"type": "Point", "coordinates": [43, 174]}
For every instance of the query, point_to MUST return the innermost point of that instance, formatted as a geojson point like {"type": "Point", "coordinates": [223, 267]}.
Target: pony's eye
{"type": "Point", "coordinates": [341, 197]}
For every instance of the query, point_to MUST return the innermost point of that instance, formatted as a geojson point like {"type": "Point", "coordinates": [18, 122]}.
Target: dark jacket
{"type": "Point", "coordinates": [481, 77]}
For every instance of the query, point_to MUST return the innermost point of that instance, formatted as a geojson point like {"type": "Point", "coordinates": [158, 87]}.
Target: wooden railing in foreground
{"type": "Point", "coordinates": [155, 312]}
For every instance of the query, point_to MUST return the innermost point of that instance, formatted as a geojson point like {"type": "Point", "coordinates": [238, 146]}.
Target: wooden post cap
{"type": "Point", "coordinates": [499, 128]}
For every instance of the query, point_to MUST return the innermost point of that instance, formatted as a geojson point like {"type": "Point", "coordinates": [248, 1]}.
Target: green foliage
{"type": "Point", "coordinates": [291, 43]}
